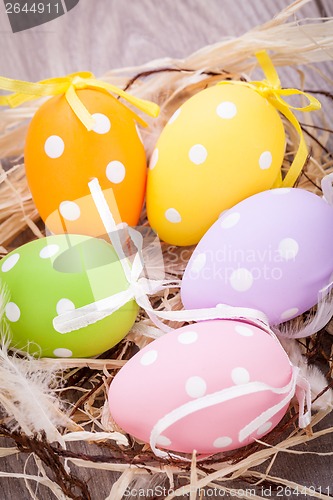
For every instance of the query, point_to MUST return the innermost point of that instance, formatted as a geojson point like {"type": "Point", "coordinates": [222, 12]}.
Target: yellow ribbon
{"type": "Point", "coordinates": [68, 85]}
{"type": "Point", "coordinates": [271, 90]}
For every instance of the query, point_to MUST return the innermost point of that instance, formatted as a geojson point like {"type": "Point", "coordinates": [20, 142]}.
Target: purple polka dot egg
{"type": "Point", "coordinates": [271, 252]}
{"type": "Point", "coordinates": [180, 394]}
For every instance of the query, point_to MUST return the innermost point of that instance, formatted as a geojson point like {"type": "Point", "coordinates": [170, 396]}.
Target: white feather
{"type": "Point", "coordinates": [318, 383]}
{"type": "Point", "coordinates": [148, 486]}
{"type": "Point", "coordinates": [316, 319]}
{"type": "Point", "coordinates": [27, 398]}
{"type": "Point", "coordinates": [312, 374]}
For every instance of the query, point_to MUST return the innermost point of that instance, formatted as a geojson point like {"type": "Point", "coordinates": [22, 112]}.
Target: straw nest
{"type": "Point", "coordinates": [73, 392]}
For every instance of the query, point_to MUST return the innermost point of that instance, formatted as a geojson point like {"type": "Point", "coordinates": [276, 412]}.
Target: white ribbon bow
{"type": "Point", "coordinates": [139, 287]}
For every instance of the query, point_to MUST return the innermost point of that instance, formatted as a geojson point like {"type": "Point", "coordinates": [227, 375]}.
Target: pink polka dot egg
{"type": "Point", "coordinates": [54, 275]}
{"type": "Point", "coordinates": [271, 252]}
{"type": "Point", "coordinates": [203, 387]}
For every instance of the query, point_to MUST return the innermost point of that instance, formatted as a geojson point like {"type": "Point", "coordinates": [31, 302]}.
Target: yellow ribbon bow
{"type": "Point", "coordinates": [271, 90]}
{"type": "Point", "coordinates": [27, 91]}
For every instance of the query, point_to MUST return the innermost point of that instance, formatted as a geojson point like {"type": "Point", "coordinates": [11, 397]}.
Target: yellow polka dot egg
{"type": "Point", "coordinates": [221, 146]}
{"type": "Point", "coordinates": [62, 157]}
{"type": "Point", "coordinates": [54, 275]}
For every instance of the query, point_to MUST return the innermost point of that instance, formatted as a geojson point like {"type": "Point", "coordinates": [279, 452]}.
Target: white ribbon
{"type": "Point", "coordinates": [326, 186]}
{"type": "Point", "coordinates": [139, 287]}
{"type": "Point", "coordinates": [297, 384]}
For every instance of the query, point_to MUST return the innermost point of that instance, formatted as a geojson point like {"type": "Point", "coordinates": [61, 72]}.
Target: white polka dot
{"type": "Point", "coordinates": [243, 330]}
{"type": "Point", "coordinates": [230, 220]}
{"type": "Point", "coordinates": [174, 116]}
{"type": "Point", "coordinates": [54, 146]}
{"type": "Point", "coordinates": [102, 123]}
{"type": "Point", "coordinates": [163, 441]}
{"type": "Point", "coordinates": [289, 313]}
{"type": "Point", "coordinates": [69, 210]}
{"type": "Point", "coordinates": [115, 172]}
{"type": "Point", "coordinates": [195, 387]}
{"type": "Point", "coordinates": [288, 248]}
{"type": "Point", "coordinates": [240, 376]}
{"type": "Point", "coordinates": [188, 337]}
{"type": "Point", "coordinates": [10, 262]}
{"type": "Point", "coordinates": [149, 357]}
{"type": "Point", "coordinates": [241, 279]}
{"type": "Point", "coordinates": [198, 154]}
{"type": "Point", "coordinates": [153, 159]}
{"type": "Point", "coordinates": [139, 133]}
{"type": "Point", "coordinates": [62, 352]}
{"type": "Point", "coordinates": [198, 263]}
{"type": "Point", "coordinates": [12, 312]}
{"type": "Point", "coordinates": [222, 442]}
{"type": "Point", "coordinates": [226, 110]}
{"type": "Point", "coordinates": [48, 251]}
{"type": "Point", "coordinates": [264, 428]}
{"type": "Point", "coordinates": [281, 190]}
{"type": "Point", "coordinates": [172, 215]}
{"type": "Point", "coordinates": [64, 305]}
{"type": "Point", "coordinates": [265, 160]}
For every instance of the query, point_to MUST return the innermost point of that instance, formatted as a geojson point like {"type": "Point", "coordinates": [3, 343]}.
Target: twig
{"type": "Point", "coordinates": [71, 485]}
{"type": "Point", "coordinates": [144, 74]}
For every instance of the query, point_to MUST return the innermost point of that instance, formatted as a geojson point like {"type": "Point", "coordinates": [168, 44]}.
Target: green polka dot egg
{"type": "Point", "coordinates": [53, 275]}
{"type": "Point", "coordinates": [221, 146]}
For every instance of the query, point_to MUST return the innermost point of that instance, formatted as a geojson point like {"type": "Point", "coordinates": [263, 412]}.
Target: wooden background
{"type": "Point", "coordinates": [98, 35]}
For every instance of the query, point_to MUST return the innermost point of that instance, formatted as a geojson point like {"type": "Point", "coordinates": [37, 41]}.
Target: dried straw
{"type": "Point", "coordinates": [85, 382]}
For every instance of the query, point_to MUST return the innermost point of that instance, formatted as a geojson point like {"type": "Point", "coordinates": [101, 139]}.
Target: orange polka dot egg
{"type": "Point", "coordinates": [221, 146]}
{"type": "Point", "coordinates": [62, 156]}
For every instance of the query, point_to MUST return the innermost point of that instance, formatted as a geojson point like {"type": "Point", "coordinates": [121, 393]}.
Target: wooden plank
{"type": "Point", "coordinates": [101, 35]}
